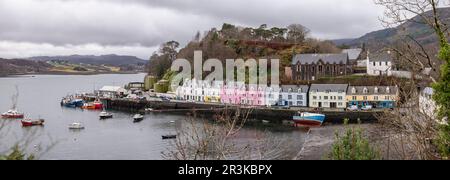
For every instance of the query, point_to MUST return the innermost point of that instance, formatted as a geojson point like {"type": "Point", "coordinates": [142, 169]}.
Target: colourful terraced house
{"type": "Point", "coordinates": [379, 97]}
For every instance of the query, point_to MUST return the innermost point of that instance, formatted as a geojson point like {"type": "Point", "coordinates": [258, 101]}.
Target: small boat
{"type": "Point", "coordinates": [309, 119]}
{"type": "Point", "coordinates": [29, 122]}
{"type": "Point", "coordinates": [76, 126]}
{"type": "Point", "coordinates": [169, 137]}
{"type": "Point", "coordinates": [72, 103]}
{"type": "Point", "coordinates": [105, 115]}
{"type": "Point", "coordinates": [96, 105]}
{"type": "Point", "coordinates": [152, 110]}
{"type": "Point", "coordinates": [138, 118]}
{"type": "Point", "coordinates": [12, 114]}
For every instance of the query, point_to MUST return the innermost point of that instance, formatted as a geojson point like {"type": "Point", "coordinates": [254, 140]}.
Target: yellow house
{"type": "Point", "coordinates": [376, 96]}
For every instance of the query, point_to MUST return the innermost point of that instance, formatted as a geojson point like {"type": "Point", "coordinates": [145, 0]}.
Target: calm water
{"type": "Point", "coordinates": [117, 138]}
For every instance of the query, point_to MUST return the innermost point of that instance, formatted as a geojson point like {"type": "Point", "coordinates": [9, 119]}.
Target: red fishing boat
{"type": "Point", "coordinates": [13, 114]}
{"type": "Point", "coordinates": [96, 105]}
{"type": "Point", "coordinates": [29, 122]}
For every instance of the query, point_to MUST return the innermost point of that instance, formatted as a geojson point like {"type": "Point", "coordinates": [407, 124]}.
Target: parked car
{"type": "Point", "coordinates": [367, 107]}
{"type": "Point", "coordinates": [353, 108]}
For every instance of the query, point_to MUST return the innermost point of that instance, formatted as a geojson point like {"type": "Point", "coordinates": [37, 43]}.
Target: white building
{"type": "Point", "coordinates": [199, 91]}
{"type": "Point", "coordinates": [112, 91]}
{"type": "Point", "coordinates": [380, 65]}
{"type": "Point", "coordinates": [294, 96]}
{"type": "Point", "coordinates": [272, 95]}
{"type": "Point", "coordinates": [328, 95]}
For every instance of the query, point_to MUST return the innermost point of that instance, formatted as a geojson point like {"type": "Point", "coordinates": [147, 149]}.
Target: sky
{"type": "Point", "coordinates": [137, 27]}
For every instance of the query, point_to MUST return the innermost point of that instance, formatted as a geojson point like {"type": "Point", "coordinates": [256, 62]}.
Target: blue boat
{"type": "Point", "coordinates": [67, 102]}
{"type": "Point", "coordinates": [309, 119]}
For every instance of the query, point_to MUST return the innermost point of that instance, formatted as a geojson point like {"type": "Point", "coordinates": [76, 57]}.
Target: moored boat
{"type": "Point", "coordinates": [29, 122]}
{"type": "Point", "coordinates": [96, 105]}
{"type": "Point", "coordinates": [138, 118]}
{"type": "Point", "coordinates": [169, 137]}
{"type": "Point", "coordinates": [76, 126]}
{"type": "Point", "coordinates": [72, 103]}
{"type": "Point", "coordinates": [105, 115]}
{"type": "Point", "coordinates": [309, 119]}
{"type": "Point", "coordinates": [12, 114]}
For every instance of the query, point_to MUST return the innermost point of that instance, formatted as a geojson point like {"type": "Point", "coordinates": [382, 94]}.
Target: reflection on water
{"type": "Point", "coordinates": [117, 138]}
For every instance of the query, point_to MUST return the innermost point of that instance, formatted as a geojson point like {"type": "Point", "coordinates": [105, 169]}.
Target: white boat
{"type": "Point", "coordinates": [76, 126]}
{"type": "Point", "coordinates": [138, 117]}
{"type": "Point", "coordinates": [105, 115]}
{"type": "Point", "coordinates": [13, 114]}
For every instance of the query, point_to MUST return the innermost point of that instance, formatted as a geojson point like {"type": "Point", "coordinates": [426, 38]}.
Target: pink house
{"type": "Point", "coordinates": [241, 94]}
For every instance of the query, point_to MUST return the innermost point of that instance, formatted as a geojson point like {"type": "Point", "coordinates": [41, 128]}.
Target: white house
{"type": "Point", "coordinates": [294, 96]}
{"type": "Point", "coordinates": [328, 95]}
{"type": "Point", "coordinates": [356, 56]}
{"type": "Point", "coordinates": [380, 64]}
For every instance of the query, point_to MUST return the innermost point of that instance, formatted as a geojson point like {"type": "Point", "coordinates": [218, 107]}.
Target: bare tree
{"type": "Point", "coordinates": [408, 132]}
{"type": "Point", "coordinates": [201, 139]}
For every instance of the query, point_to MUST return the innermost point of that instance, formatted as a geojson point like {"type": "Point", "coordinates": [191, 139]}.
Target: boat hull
{"type": "Point", "coordinates": [18, 116]}
{"type": "Point", "coordinates": [106, 117]}
{"type": "Point", "coordinates": [32, 123]}
{"type": "Point", "coordinates": [309, 119]}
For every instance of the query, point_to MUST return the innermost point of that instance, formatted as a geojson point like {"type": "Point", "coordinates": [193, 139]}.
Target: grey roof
{"type": "Point", "coordinates": [326, 58]}
{"type": "Point", "coordinates": [295, 88]}
{"type": "Point", "coordinates": [371, 90]}
{"type": "Point", "coordinates": [329, 87]}
{"type": "Point", "coordinates": [380, 57]}
{"type": "Point", "coordinates": [353, 54]}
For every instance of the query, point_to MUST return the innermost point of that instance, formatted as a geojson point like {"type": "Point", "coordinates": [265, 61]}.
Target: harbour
{"type": "Point", "coordinates": [115, 138]}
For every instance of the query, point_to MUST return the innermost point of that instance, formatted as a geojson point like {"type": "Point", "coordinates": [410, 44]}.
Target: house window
{"type": "Point", "coordinates": [314, 97]}
{"type": "Point", "coordinates": [354, 98]}
{"type": "Point", "coordinates": [325, 97]}
{"type": "Point", "coordinates": [290, 103]}
{"type": "Point", "coordinates": [299, 97]}
{"type": "Point", "coordinates": [281, 96]}
{"type": "Point", "coordinates": [386, 98]}
{"type": "Point", "coordinates": [299, 103]}
{"type": "Point", "coordinates": [340, 104]}
{"type": "Point", "coordinates": [375, 98]}
{"type": "Point", "coordinates": [290, 97]}
{"type": "Point", "coordinates": [365, 98]}
{"type": "Point", "coordinates": [340, 98]}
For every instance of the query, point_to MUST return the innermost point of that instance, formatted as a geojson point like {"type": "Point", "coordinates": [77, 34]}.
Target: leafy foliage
{"type": "Point", "coordinates": [353, 145]}
{"type": "Point", "coordinates": [17, 154]}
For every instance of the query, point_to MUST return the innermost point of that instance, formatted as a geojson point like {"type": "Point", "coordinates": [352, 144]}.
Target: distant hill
{"type": "Point", "coordinates": [21, 66]}
{"type": "Point", "coordinates": [378, 39]}
{"type": "Point", "coordinates": [112, 59]}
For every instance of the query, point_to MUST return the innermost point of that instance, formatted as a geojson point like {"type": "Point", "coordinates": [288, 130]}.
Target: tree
{"type": "Point", "coordinates": [353, 145]}
{"type": "Point", "coordinates": [297, 33]}
{"type": "Point", "coordinates": [428, 13]}
{"type": "Point", "coordinates": [160, 62]}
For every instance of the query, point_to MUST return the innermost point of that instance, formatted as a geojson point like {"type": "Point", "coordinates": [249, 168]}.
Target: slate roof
{"type": "Point", "coordinates": [371, 90]}
{"type": "Point", "coordinates": [328, 87]}
{"type": "Point", "coordinates": [295, 88]}
{"type": "Point", "coordinates": [353, 54]}
{"type": "Point", "coordinates": [380, 57]}
{"type": "Point", "coordinates": [326, 58]}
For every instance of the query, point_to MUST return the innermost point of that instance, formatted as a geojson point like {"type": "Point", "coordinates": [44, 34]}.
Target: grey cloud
{"type": "Point", "coordinates": [148, 23]}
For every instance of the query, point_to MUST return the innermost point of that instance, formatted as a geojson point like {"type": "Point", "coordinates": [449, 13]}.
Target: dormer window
{"type": "Point", "coordinates": [290, 90]}
{"type": "Point", "coordinates": [388, 90]}
{"type": "Point", "coordinates": [353, 90]}
{"type": "Point", "coordinates": [376, 90]}
{"type": "Point", "coordinates": [365, 91]}
{"type": "Point", "coordinates": [300, 90]}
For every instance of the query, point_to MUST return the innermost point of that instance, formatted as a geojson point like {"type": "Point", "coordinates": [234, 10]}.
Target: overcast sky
{"type": "Point", "coordinates": [138, 27]}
